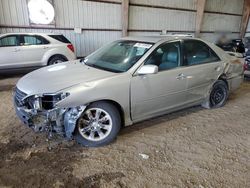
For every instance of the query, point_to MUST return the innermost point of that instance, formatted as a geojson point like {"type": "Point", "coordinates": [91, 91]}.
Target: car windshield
{"type": "Point", "coordinates": [118, 56]}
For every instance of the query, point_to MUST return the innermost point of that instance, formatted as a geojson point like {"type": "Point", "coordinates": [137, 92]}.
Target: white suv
{"type": "Point", "coordinates": [31, 50]}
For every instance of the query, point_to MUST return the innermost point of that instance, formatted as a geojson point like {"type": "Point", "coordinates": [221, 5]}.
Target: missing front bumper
{"type": "Point", "coordinates": [60, 120]}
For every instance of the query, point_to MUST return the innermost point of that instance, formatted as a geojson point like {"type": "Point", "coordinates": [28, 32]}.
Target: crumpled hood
{"type": "Point", "coordinates": [54, 78]}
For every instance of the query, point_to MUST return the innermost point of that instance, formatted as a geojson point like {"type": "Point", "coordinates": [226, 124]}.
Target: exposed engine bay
{"type": "Point", "coordinates": [42, 115]}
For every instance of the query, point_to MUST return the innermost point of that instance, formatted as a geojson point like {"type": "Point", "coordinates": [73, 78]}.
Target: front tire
{"type": "Point", "coordinates": [98, 125]}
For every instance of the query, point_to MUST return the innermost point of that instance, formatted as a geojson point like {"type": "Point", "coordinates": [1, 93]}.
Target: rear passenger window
{"type": "Point", "coordinates": [8, 41]}
{"type": "Point", "coordinates": [33, 40]}
{"type": "Point", "coordinates": [60, 38]}
{"type": "Point", "coordinates": [197, 52]}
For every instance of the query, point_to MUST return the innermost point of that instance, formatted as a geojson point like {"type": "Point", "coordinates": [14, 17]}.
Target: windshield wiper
{"type": "Point", "coordinates": [92, 65]}
{"type": "Point", "coordinates": [102, 68]}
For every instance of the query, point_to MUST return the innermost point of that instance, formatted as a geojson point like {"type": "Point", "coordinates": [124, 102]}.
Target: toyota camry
{"type": "Point", "coordinates": [124, 82]}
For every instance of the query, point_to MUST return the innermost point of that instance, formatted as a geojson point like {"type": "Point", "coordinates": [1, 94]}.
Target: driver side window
{"type": "Point", "coordinates": [166, 56]}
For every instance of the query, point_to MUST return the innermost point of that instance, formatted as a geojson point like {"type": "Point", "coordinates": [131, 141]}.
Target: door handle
{"type": "Point", "coordinates": [45, 47]}
{"type": "Point", "coordinates": [181, 76]}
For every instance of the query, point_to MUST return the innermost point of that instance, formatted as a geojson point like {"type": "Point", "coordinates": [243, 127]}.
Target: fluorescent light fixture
{"type": "Point", "coordinates": [41, 11]}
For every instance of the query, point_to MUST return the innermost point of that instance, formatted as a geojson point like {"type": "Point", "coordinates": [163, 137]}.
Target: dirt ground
{"type": "Point", "coordinates": [194, 147]}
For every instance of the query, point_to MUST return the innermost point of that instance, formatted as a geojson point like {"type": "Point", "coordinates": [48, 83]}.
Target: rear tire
{"type": "Point", "coordinates": [218, 95]}
{"type": "Point", "coordinates": [98, 125]}
{"type": "Point", "coordinates": [56, 60]}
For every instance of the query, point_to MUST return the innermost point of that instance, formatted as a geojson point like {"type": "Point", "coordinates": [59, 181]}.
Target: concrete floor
{"type": "Point", "coordinates": [191, 148]}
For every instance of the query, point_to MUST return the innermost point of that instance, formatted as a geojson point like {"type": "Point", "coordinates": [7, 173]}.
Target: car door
{"type": "Point", "coordinates": [153, 94]}
{"type": "Point", "coordinates": [32, 49]}
{"type": "Point", "coordinates": [9, 51]}
{"type": "Point", "coordinates": [202, 67]}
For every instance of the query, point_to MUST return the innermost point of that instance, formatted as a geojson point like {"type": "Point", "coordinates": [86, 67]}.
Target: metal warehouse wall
{"type": "Point", "coordinates": [149, 17]}
{"type": "Point", "coordinates": [222, 15]}
{"type": "Point", "coordinates": [248, 29]}
{"type": "Point", "coordinates": [101, 21]}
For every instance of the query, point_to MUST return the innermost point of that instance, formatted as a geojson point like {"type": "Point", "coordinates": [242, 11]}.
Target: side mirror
{"type": "Point", "coordinates": [147, 69]}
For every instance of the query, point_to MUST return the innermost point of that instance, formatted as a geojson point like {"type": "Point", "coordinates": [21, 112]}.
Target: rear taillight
{"type": "Point", "coordinates": [71, 47]}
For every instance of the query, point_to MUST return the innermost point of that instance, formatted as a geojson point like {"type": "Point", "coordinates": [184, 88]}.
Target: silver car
{"type": "Point", "coordinates": [32, 50]}
{"type": "Point", "coordinates": [127, 81]}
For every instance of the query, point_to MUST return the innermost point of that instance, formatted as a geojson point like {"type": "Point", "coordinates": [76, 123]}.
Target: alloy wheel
{"type": "Point", "coordinates": [95, 124]}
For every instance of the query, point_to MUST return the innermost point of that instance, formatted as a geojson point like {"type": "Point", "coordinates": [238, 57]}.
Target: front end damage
{"type": "Point", "coordinates": [41, 113]}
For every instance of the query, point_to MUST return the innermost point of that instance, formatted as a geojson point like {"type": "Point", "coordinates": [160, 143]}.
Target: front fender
{"type": "Point", "coordinates": [117, 90]}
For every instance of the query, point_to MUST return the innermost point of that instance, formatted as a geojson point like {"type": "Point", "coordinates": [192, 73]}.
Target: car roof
{"type": "Point", "coordinates": [157, 38]}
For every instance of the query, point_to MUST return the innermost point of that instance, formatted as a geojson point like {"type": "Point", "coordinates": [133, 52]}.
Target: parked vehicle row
{"type": "Point", "coordinates": [247, 59]}
{"type": "Point", "coordinates": [32, 50]}
{"type": "Point", "coordinates": [240, 49]}
{"type": "Point", "coordinates": [235, 45]}
{"type": "Point", "coordinates": [247, 67]}
{"type": "Point", "coordinates": [124, 82]}
{"type": "Point", "coordinates": [247, 46]}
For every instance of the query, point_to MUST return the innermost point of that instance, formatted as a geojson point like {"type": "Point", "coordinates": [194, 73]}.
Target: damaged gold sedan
{"type": "Point", "coordinates": [127, 81]}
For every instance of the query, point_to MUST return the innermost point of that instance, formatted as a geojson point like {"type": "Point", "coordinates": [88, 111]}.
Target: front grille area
{"type": "Point", "coordinates": [19, 95]}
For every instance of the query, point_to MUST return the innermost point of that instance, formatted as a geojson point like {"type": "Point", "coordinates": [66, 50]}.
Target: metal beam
{"type": "Point", "coordinates": [125, 17]}
{"type": "Point", "coordinates": [55, 28]}
{"type": "Point", "coordinates": [199, 16]}
{"type": "Point", "coordinates": [245, 18]}
{"type": "Point", "coordinates": [104, 1]}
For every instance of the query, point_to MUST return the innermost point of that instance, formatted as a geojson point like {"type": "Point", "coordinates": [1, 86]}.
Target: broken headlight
{"type": "Point", "coordinates": [45, 101]}
{"type": "Point", "coordinates": [48, 101]}
{"type": "Point", "coordinates": [36, 103]}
